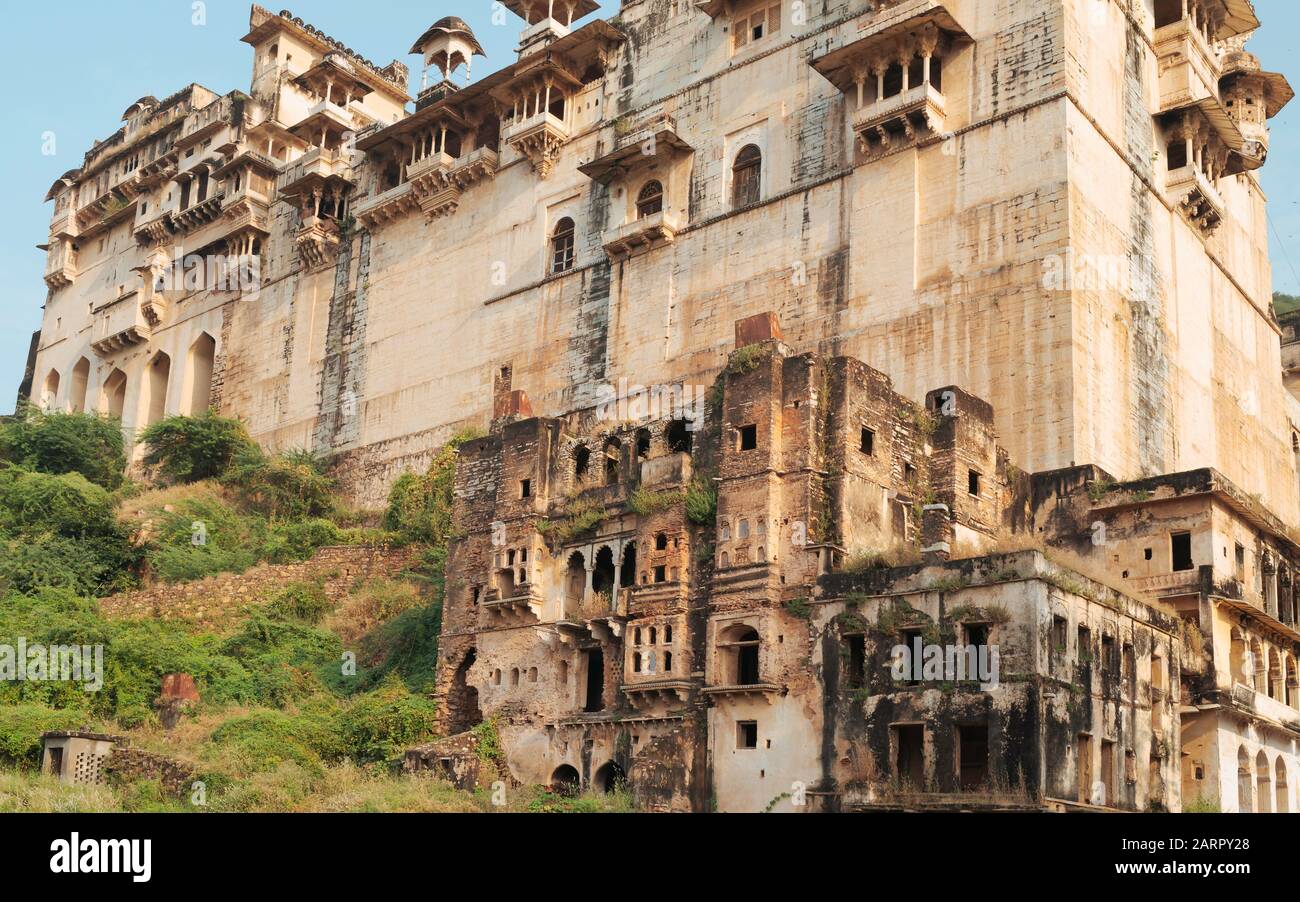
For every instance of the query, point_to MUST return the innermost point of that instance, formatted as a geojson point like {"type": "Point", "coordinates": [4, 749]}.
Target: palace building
{"type": "Point", "coordinates": [960, 314]}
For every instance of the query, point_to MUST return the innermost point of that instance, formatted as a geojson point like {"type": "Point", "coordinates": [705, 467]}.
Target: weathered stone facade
{"type": "Point", "coordinates": [1051, 203]}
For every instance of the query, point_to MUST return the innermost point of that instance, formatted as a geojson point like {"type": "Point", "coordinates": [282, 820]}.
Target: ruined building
{"type": "Point", "coordinates": [796, 222]}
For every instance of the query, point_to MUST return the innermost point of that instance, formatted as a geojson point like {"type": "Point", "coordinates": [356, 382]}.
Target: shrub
{"type": "Point", "coordinates": [381, 725]}
{"type": "Point", "coordinates": [66, 505]}
{"type": "Point", "coordinates": [21, 727]}
{"type": "Point", "coordinates": [305, 602]}
{"type": "Point", "coordinates": [299, 540]}
{"type": "Point", "coordinates": [290, 485]}
{"type": "Point", "coordinates": [58, 443]}
{"type": "Point", "coordinates": [420, 507]}
{"type": "Point", "coordinates": [264, 740]}
{"type": "Point", "coordinates": [189, 449]}
{"type": "Point", "coordinates": [702, 501]}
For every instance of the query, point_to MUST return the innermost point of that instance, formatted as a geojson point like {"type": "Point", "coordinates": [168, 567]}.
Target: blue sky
{"type": "Point", "coordinates": [108, 54]}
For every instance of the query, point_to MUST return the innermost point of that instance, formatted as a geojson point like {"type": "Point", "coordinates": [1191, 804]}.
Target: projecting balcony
{"type": "Point", "coordinates": [61, 264]}
{"type": "Point", "coordinates": [152, 226]}
{"type": "Point", "coordinates": [651, 693]}
{"type": "Point", "coordinates": [539, 137]}
{"type": "Point", "coordinates": [537, 36]}
{"type": "Point", "coordinates": [1195, 196]}
{"type": "Point", "coordinates": [1189, 69]}
{"type": "Point", "coordinates": [642, 234]}
{"type": "Point", "coordinates": [64, 223]}
{"type": "Point", "coordinates": [895, 122]}
{"type": "Point", "coordinates": [317, 165]}
{"type": "Point", "coordinates": [198, 215]}
{"type": "Point", "coordinates": [383, 208]}
{"type": "Point", "coordinates": [117, 325]}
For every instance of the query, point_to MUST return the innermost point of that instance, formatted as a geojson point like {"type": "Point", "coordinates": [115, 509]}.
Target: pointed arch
{"type": "Point", "coordinates": [196, 391]}
{"type": "Point", "coordinates": [112, 394]}
{"type": "Point", "coordinates": [153, 396]}
{"type": "Point", "coordinates": [77, 390]}
{"type": "Point", "coordinates": [50, 390]}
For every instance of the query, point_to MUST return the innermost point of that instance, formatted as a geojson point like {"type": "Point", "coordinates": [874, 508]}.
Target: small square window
{"type": "Point", "coordinates": [1146, 553]}
{"type": "Point", "coordinates": [746, 734]}
{"type": "Point", "coordinates": [748, 438]}
{"type": "Point", "coordinates": [867, 444]}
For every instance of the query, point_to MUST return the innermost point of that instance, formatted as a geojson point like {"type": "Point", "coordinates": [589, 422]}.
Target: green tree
{"type": "Point", "coordinates": [58, 443]}
{"type": "Point", "coordinates": [190, 449]}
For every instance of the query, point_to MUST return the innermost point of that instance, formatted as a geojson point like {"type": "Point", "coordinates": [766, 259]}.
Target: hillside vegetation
{"type": "Point", "coordinates": [307, 702]}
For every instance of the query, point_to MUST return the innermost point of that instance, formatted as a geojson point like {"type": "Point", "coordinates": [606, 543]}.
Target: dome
{"type": "Point", "coordinates": [450, 26]}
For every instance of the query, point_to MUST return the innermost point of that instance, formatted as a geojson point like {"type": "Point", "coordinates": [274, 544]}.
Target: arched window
{"type": "Point", "coordinates": [562, 244]}
{"type": "Point", "coordinates": [651, 200]}
{"type": "Point", "coordinates": [746, 174]}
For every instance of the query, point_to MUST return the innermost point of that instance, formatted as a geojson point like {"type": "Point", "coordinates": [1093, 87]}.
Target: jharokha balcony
{"type": "Point", "coordinates": [538, 137]}
{"type": "Point", "coordinates": [654, 230]}
{"type": "Point", "coordinates": [894, 80]}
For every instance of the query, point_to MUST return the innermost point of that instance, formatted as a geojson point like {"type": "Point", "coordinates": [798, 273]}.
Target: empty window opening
{"type": "Point", "coordinates": [1084, 645]}
{"type": "Point", "coordinates": [748, 438]}
{"type": "Point", "coordinates": [602, 575]}
{"type": "Point", "coordinates": [867, 442]}
{"type": "Point", "coordinates": [526, 488]}
{"type": "Point", "coordinates": [679, 438]}
{"type": "Point", "coordinates": [643, 443]}
{"type": "Point", "coordinates": [581, 462]}
{"type": "Point", "coordinates": [668, 662]}
{"type": "Point", "coordinates": [739, 655]}
{"type": "Point", "coordinates": [976, 634]}
{"type": "Point", "coordinates": [613, 448]}
{"type": "Point", "coordinates": [746, 734]}
{"type": "Point", "coordinates": [595, 664]}
{"type": "Point", "coordinates": [668, 633]}
{"type": "Point", "coordinates": [973, 482]}
{"type": "Point", "coordinates": [1180, 545]}
{"type": "Point", "coordinates": [1108, 654]}
{"type": "Point", "coordinates": [909, 756]}
{"type": "Point", "coordinates": [661, 574]}
{"type": "Point", "coordinates": [1058, 637]}
{"type": "Point", "coordinates": [627, 572]}
{"type": "Point", "coordinates": [857, 662]}
{"type": "Point", "coordinates": [973, 756]}
{"type": "Point", "coordinates": [661, 541]}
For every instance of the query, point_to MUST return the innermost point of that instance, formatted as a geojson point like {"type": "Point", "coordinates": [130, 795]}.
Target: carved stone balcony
{"type": "Point", "coordinates": [430, 179]}
{"type": "Point", "coordinates": [538, 35]}
{"type": "Point", "coordinates": [383, 208]}
{"type": "Point", "coordinates": [901, 120]}
{"type": "Point", "coordinates": [153, 226]}
{"type": "Point", "coordinates": [313, 168]}
{"type": "Point", "coordinates": [1196, 197]}
{"type": "Point", "coordinates": [118, 324]}
{"type": "Point", "coordinates": [539, 137]}
{"type": "Point", "coordinates": [655, 692]}
{"type": "Point", "coordinates": [198, 215]}
{"type": "Point", "coordinates": [765, 691]}
{"type": "Point", "coordinates": [655, 230]}
{"type": "Point", "coordinates": [61, 264]}
{"type": "Point", "coordinates": [317, 241]}
{"type": "Point", "coordinates": [1189, 69]}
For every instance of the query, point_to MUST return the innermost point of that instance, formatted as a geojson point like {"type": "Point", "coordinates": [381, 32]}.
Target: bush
{"type": "Point", "coordinates": [189, 449]}
{"type": "Point", "coordinates": [58, 443]}
{"type": "Point", "coordinates": [21, 727]}
{"type": "Point", "coordinates": [702, 501]}
{"type": "Point", "coordinates": [305, 602]}
{"type": "Point", "coordinates": [264, 740]}
{"type": "Point", "coordinates": [291, 485]}
{"type": "Point", "coordinates": [67, 505]}
{"type": "Point", "coordinates": [297, 541]}
{"type": "Point", "coordinates": [382, 725]}
{"type": "Point", "coordinates": [420, 507]}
